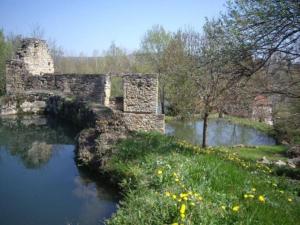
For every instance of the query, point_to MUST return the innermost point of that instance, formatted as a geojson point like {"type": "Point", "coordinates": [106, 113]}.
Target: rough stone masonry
{"type": "Point", "coordinates": [31, 81]}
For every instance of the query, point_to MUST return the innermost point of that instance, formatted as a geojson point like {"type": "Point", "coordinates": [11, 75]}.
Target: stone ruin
{"type": "Point", "coordinates": [31, 81]}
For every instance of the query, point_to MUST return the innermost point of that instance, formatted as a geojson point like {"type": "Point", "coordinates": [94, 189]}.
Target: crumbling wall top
{"type": "Point", "coordinates": [36, 57]}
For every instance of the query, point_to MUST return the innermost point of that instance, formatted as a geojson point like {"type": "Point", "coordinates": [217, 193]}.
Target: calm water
{"type": "Point", "coordinates": [220, 132]}
{"type": "Point", "coordinates": [39, 181]}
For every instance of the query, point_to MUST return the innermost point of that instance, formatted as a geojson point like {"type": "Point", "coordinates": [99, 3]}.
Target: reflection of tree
{"type": "Point", "coordinates": [98, 196]}
{"type": "Point", "coordinates": [88, 182]}
{"type": "Point", "coordinates": [233, 138]}
{"type": "Point", "coordinates": [220, 132]}
{"type": "Point", "coordinates": [38, 154]}
{"type": "Point", "coordinates": [185, 130]}
{"type": "Point", "coordinates": [30, 138]}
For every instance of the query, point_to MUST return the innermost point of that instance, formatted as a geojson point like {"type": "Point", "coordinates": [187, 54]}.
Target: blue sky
{"type": "Point", "coordinates": [85, 25]}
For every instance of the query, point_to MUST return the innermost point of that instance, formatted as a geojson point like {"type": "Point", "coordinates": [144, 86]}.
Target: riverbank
{"type": "Point", "coordinates": [168, 182]}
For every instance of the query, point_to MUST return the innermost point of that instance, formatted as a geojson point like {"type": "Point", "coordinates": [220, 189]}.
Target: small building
{"type": "Point", "coordinates": [262, 109]}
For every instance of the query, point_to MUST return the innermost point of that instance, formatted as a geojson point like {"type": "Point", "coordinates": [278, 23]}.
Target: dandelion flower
{"type": "Point", "coordinates": [235, 208]}
{"type": "Point", "coordinates": [182, 209]}
{"type": "Point", "coordinates": [250, 196]}
{"type": "Point", "coordinates": [261, 198]}
{"type": "Point", "coordinates": [159, 172]}
{"type": "Point", "coordinates": [182, 216]}
{"type": "Point", "coordinates": [174, 223]}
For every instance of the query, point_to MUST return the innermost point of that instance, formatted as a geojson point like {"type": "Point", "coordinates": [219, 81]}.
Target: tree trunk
{"type": "Point", "coordinates": [205, 118]}
{"type": "Point", "coordinates": [221, 115]}
{"type": "Point", "coordinates": [162, 100]}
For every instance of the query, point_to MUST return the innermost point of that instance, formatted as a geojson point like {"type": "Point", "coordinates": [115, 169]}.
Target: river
{"type": "Point", "coordinates": [40, 183]}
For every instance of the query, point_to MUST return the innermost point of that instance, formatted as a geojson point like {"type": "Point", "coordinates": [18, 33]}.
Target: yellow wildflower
{"type": "Point", "coordinates": [250, 196]}
{"type": "Point", "coordinates": [246, 196]}
{"type": "Point", "coordinates": [182, 208]}
{"type": "Point", "coordinates": [185, 198]}
{"type": "Point", "coordinates": [177, 180]}
{"type": "Point", "coordinates": [174, 223]}
{"type": "Point", "coordinates": [236, 208]}
{"type": "Point", "coordinates": [174, 196]}
{"type": "Point", "coordinates": [254, 189]}
{"type": "Point", "coordinates": [223, 207]}
{"type": "Point", "coordinates": [261, 198]}
{"type": "Point", "coordinates": [182, 216]}
{"type": "Point", "coordinates": [290, 200]}
{"type": "Point", "coordinates": [168, 194]}
{"type": "Point", "coordinates": [159, 172]}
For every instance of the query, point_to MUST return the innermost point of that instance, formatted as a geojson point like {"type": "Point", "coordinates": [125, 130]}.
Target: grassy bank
{"type": "Point", "coordinates": [170, 182]}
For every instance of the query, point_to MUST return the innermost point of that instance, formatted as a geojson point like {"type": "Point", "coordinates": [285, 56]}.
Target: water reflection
{"type": "Point", "coordinates": [40, 182]}
{"type": "Point", "coordinates": [220, 132]}
{"type": "Point", "coordinates": [31, 138]}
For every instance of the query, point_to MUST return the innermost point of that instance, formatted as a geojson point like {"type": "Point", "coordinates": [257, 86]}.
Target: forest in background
{"type": "Point", "coordinates": [251, 49]}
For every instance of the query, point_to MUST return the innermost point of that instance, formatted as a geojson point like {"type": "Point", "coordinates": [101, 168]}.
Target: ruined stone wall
{"type": "Point", "coordinates": [36, 57]}
{"type": "Point", "coordinates": [32, 71]}
{"type": "Point", "coordinates": [87, 87]}
{"type": "Point", "coordinates": [140, 93]}
{"type": "Point", "coordinates": [31, 74]}
{"type": "Point", "coordinates": [140, 103]}
{"type": "Point", "coordinates": [144, 122]}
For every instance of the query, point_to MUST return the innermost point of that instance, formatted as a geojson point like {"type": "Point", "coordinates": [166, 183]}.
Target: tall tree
{"type": "Point", "coordinates": [217, 76]}
{"type": "Point", "coordinates": [268, 27]}
{"type": "Point", "coordinates": [115, 60]}
{"type": "Point", "coordinates": [152, 50]}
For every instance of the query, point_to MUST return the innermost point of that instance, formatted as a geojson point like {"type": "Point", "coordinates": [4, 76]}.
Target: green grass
{"type": "Point", "coordinates": [152, 169]}
{"type": "Point", "coordinates": [276, 152]}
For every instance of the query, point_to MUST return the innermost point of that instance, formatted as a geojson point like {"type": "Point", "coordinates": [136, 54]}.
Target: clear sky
{"type": "Point", "coordinates": [85, 25]}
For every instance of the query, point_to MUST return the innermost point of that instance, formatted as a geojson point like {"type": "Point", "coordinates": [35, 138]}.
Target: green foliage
{"type": "Point", "coordinates": [116, 87]}
{"type": "Point", "coordinates": [3, 58]}
{"type": "Point", "coordinates": [159, 175]}
{"type": "Point", "coordinates": [287, 123]}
